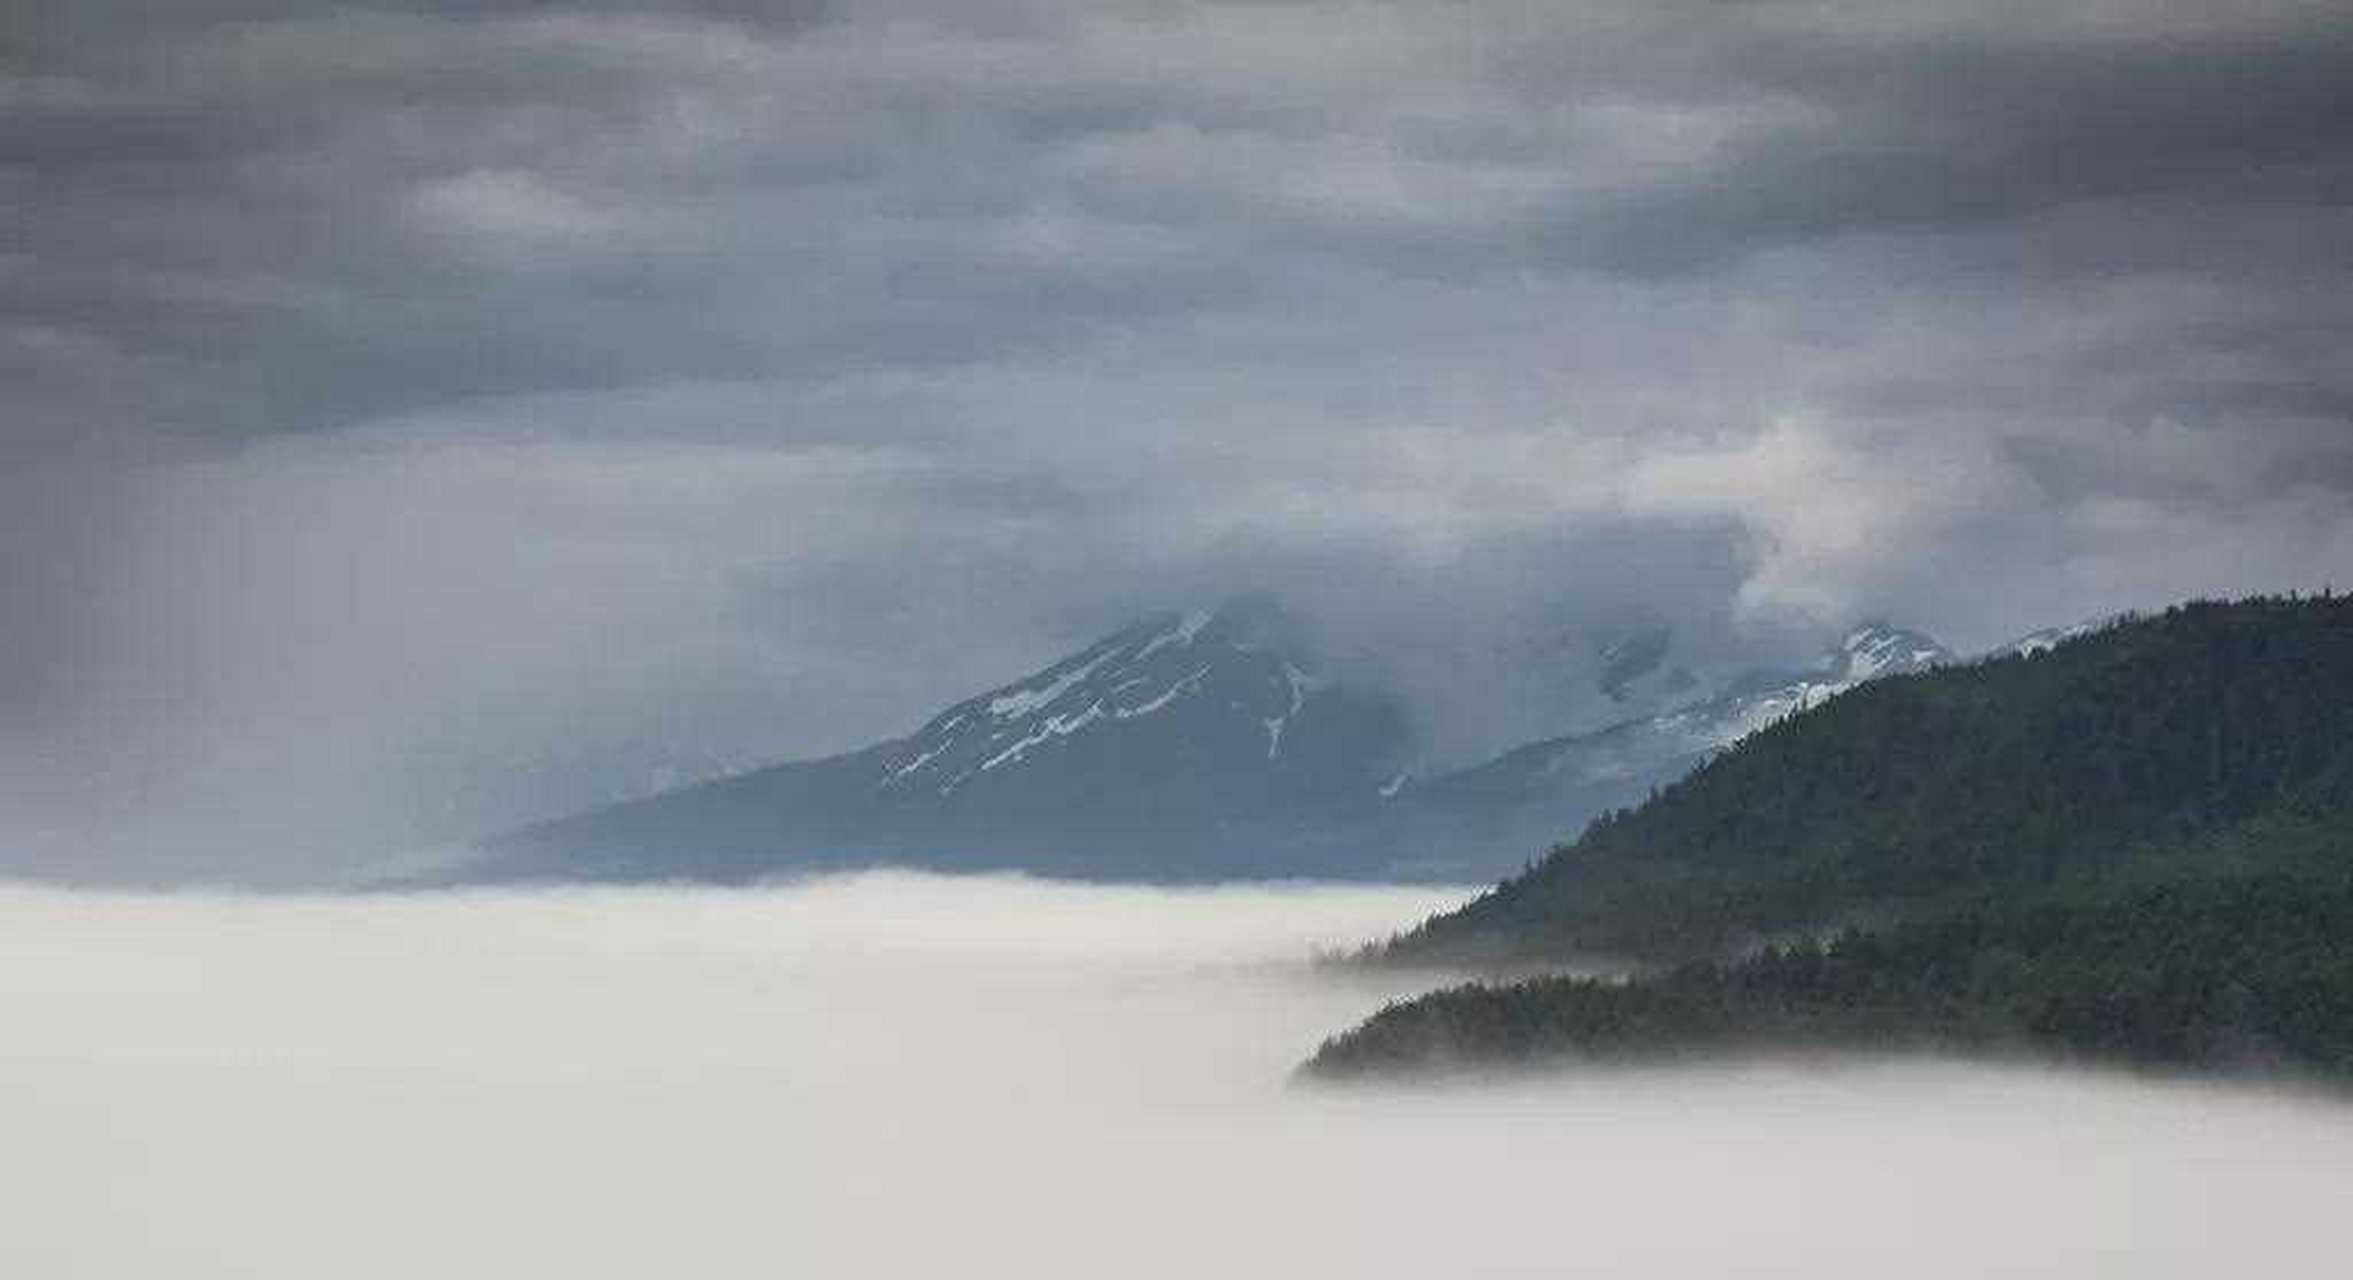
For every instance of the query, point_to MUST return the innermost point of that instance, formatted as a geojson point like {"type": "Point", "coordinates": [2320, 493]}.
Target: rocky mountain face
{"type": "Point", "coordinates": [1185, 747]}
{"type": "Point", "coordinates": [1223, 708]}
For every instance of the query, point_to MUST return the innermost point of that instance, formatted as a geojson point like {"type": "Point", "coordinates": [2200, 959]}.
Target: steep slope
{"type": "Point", "coordinates": [2061, 764]}
{"type": "Point", "coordinates": [1217, 708]}
{"type": "Point", "coordinates": [1182, 747]}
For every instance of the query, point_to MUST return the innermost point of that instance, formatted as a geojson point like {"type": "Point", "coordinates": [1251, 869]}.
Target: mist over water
{"type": "Point", "coordinates": [906, 1075]}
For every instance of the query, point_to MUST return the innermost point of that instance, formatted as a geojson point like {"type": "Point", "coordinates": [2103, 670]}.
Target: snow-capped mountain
{"type": "Point", "coordinates": [1184, 746]}
{"type": "Point", "coordinates": [1188, 746]}
{"type": "Point", "coordinates": [1228, 695]}
{"type": "Point", "coordinates": [1545, 792]}
{"type": "Point", "coordinates": [1866, 653]}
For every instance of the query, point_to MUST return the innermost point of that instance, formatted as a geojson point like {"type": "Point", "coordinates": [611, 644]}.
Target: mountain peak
{"type": "Point", "coordinates": [1252, 621]}
{"type": "Point", "coordinates": [1183, 742]}
{"type": "Point", "coordinates": [1235, 678]}
{"type": "Point", "coordinates": [1877, 648]}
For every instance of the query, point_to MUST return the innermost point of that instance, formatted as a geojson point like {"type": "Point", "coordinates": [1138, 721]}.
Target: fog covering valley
{"type": "Point", "coordinates": [895, 1074]}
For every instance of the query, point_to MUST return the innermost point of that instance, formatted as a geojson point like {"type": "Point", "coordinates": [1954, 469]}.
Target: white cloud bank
{"type": "Point", "coordinates": [902, 1076]}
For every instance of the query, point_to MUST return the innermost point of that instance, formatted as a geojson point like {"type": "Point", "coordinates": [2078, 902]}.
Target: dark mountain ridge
{"type": "Point", "coordinates": [2023, 769]}
{"type": "Point", "coordinates": [2133, 844]}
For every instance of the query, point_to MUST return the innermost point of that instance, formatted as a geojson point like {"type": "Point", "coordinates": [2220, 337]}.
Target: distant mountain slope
{"type": "Point", "coordinates": [1533, 797]}
{"type": "Point", "coordinates": [2054, 765]}
{"type": "Point", "coordinates": [1183, 747]}
{"type": "Point", "coordinates": [1217, 707]}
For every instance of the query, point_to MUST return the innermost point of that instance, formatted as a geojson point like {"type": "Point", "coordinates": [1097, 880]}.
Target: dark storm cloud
{"type": "Point", "coordinates": [519, 198]}
{"type": "Point", "coordinates": [1929, 133]}
{"type": "Point", "coordinates": [387, 376]}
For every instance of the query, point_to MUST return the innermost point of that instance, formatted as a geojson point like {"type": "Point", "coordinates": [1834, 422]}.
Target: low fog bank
{"type": "Point", "coordinates": [912, 1075]}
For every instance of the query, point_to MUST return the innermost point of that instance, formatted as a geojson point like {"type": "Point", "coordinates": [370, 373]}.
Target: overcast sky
{"type": "Point", "coordinates": [400, 396]}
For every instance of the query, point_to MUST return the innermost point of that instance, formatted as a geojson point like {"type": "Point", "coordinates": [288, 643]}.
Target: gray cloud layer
{"type": "Point", "coordinates": [401, 392]}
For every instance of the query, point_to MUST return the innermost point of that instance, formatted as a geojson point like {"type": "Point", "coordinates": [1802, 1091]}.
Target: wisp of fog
{"type": "Point", "coordinates": [898, 1075]}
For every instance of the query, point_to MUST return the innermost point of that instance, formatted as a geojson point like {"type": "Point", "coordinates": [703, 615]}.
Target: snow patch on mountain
{"type": "Point", "coordinates": [1298, 684]}
{"type": "Point", "coordinates": [1054, 727]}
{"type": "Point", "coordinates": [1021, 700]}
{"type": "Point", "coordinates": [1163, 663]}
{"type": "Point", "coordinates": [1661, 746]}
{"type": "Point", "coordinates": [1876, 649]}
{"type": "Point", "coordinates": [2049, 638]}
{"type": "Point", "coordinates": [1187, 627]}
{"type": "Point", "coordinates": [1869, 652]}
{"type": "Point", "coordinates": [1181, 688]}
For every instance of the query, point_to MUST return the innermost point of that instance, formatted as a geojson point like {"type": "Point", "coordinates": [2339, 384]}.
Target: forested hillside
{"type": "Point", "coordinates": [2233, 973]}
{"type": "Point", "coordinates": [2135, 847]}
{"type": "Point", "coordinates": [2154, 743]}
